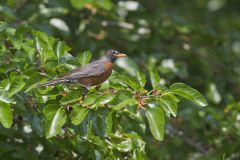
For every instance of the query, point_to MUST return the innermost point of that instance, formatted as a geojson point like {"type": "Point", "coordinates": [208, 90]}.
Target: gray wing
{"type": "Point", "coordinates": [92, 69]}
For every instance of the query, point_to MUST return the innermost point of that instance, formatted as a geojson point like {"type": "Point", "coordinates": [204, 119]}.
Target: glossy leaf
{"type": "Point", "coordinates": [188, 92]}
{"type": "Point", "coordinates": [101, 145]}
{"type": "Point", "coordinates": [103, 99]}
{"type": "Point", "coordinates": [44, 45]}
{"type": "Point", "coordinates": [17, 85]}
{"type": "Point", "coordinates": [124, 146]}
{"type": "Point", "coordinates": [89, 99]}
{"type": "Point", "coordinates": [5, 98]}
{"type": "Point", "coordinates": [5, 115]}
{"type": "Point", "coordinates": [156, 120]}
{"type": "Point", "coordinates": [136, 120]}
{"type": "Point", "coordinates": [38, 46]}
{"type": "Point", "coordinates": [100, 125]}
{"type": "Point", "coordinates": [109, 123]}
{"type": "Point", "coordinates": [60, 48]}
{"type": "Point", "coordinates": [50, 110]}
{"type": "Point", "coordinates": [121, 96]}
{"type": "Point", "coordinates": [105, 4]}
{"type": "Point", "coordinates": [168, 102]}
{"type": "Point", "coordinates": [71, 97]}
{"type": "Point", "coordinates": [53, 126]}
{"type": "Point", "coordinates": [136, 116]}
{"type": "Point", "coordinates": [84, 57]}
{"type": "Point", "coordinates": [78, 114]}
{"type": "Point", "coordinates": [141, 78]}
{"type": "Point", "coordinates": [37, 125]}
{"type": "Point", "coordinates": [79, 4]}
{"type": "Point", "coordinates": [154, 77]}
{"type": "Point", "coordinates": [127, 102]}
{"type": "Point", "coordinates": [130, 81]}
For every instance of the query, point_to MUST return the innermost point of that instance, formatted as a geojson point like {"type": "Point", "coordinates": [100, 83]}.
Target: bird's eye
{"type": "Point", "coordinates": [114, 52]}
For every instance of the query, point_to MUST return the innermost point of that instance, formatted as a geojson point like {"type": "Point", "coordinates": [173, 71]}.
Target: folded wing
{"type": "Point", "coordinates": [90, 70]}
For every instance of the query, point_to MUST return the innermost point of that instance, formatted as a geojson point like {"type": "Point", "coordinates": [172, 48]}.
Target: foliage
{"type": "Point", "coordinates": [100, 112]}
{"type": "Point", "coordinates": [125, 116]}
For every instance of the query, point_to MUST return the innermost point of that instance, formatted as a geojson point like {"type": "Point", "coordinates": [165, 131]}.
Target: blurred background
{"type": "Point", "coordinates": [195, 41]}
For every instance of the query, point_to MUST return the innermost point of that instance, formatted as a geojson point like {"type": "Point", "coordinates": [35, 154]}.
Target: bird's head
{"type": "Point", "coordinates": [112, 55]}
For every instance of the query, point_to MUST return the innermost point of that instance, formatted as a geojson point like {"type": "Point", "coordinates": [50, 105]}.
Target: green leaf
{"type": "Point", "coordinates": [103, 99]}
{"type": "Point", "coordinates": [105, 4]}
{"type": "Point", "coordinates": [50, 110]}
{"type": "Point", "coordinates": [36, 123]}
{"type": "Point", "coordinates": [5, 115]}
{"type": "Point", "coordinates": [137, 127]}
{"type": "Point", "coordinates": [125, 145]}
{"type": "Point", "coordinates": [78, 114]}
{"type": "Point", "coordinates": [121, 96]}
{"type": "Point", "coordinates": [154, 77]}
{"type": "Point", "coordinates": [53, 126]}
{"type": "Point", "coordinates": [17, 85]}
{"type": "Point", "coordinates": [141, 78]}
{"type": "Point", "coordinates": [89, 126]}
{"type": "Point", "coordinates": [99, 143]}
{"type": "Point", "coordinates": [115, 81]}
{"type": "Point", "coordinates": [127, 102]}
{"type": "Point", "coordinates": [5, 84]}
{"type": "Point", "coordinates": [100, 122]}
{"type": "Point", "coordinates": [136, 120]}
{"type": "Point", "coordinates": [138, 154]}
{"type": "Point", "coordinates": [44, 45]}
{"type": "Point", "coordinates": [38, 46]}
{"type": "Point", "coordinates": [98, 154]}
{"type": "Point", "coordinates": [135, 115]}
{"type": "Point", "coordinates": [3, 26]}
{"type": "Point", "coordinates": [188, 92]}
{"type": "Point", "coordinates": [5, 98]}
{"type": "Point", "coordinates": [60, 48]}
{"type": "Point", "coordinates": [7, 12]}
{"type": "Point", "coordinates": [130, 81]}
{"type": "Point", "coordinates": [84, 57]}
{"type": "Point", "coordinates": [168, 102]}
{"type": "Point", "coordinates": [173, 97]}
{"type": "Point", "coordinates": [79, 4]}
{"type": "Point", "coordinates": [89, 99]}
{"type": "Point", "coordinates": [71, 97]}
{"type": "Point", "coordinates": [109, 123]}
{"type": "Point", "coordinates": [122, 99]}
{"type": "Point", "coordinates": [30, 51]}
{"type": "Point", "coordinates": [128, 65]}
{"type": "Point", "coordinates": [156, 120]}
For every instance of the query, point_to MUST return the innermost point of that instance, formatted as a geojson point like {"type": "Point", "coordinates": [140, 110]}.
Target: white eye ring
{"type": "Point", "coordinates": [114, 52]}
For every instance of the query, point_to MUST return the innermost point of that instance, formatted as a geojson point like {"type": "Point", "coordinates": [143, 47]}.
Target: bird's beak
{"type": "Point", "coordinates": [121, 55]}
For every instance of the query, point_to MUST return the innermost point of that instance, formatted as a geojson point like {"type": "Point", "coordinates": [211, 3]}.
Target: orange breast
{"type": "Point", "coordinates": [96, 80]}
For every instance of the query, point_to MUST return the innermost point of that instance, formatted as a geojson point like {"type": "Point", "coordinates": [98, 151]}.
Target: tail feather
{"type": "Point", "coordinates": [51, 83]}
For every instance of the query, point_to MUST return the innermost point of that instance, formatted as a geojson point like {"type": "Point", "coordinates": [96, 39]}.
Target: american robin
{"type": "Point", "coordinates": [91, 74]}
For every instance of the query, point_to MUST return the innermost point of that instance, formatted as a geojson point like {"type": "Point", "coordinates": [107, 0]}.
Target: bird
{"type": "Point", "coordinates": [91, 74]}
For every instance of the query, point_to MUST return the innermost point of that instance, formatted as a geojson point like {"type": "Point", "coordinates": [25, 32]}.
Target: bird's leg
{"type": "Point", "coordinates": [85, 92]}
{"type": "Point", "coordinates": [86, 89]}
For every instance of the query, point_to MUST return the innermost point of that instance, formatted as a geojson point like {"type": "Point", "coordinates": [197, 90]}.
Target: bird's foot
{"type": "Point", "coordinates": [85, 91]}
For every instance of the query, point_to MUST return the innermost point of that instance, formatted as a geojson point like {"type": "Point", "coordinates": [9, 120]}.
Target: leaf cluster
{"type": "Point", "coordinates": [94, 120]}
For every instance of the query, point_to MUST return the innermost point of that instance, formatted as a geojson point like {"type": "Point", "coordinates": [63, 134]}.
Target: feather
{"type": "Point", "coordinates": [53, 82]}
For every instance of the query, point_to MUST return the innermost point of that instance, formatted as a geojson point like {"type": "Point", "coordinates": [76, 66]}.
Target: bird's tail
{"type": "Point", "coordinates": [51, 83]}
